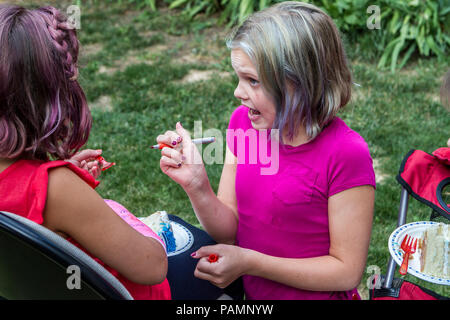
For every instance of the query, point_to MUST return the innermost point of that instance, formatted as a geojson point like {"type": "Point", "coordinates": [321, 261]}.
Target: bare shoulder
{"type": "Point", "coordinates": [67, 189]}
{"type": "Point", "coordinates": [67, 195]}
{"type": "Point", "coordinates": [65, 178]}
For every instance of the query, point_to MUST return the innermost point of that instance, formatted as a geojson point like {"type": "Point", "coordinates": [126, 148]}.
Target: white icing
{"type": "Point", "coordinates": [446, 249]}
{"type": "Point", "coordinates": [436, 259]}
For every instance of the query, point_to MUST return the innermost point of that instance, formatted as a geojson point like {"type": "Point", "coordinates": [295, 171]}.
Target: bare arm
{"type": "Point", "coordinates": [73, 208]}
{"type": "Point", "coordinates": [218, 215]}
{"type": "Point", "coordinates": [350, 221]}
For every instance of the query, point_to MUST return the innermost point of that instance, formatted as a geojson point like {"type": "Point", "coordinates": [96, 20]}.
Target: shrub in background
{"type": "Point", "coordinates": [413, 27]}
{"type": "Point", "coordinates": [406, 27]}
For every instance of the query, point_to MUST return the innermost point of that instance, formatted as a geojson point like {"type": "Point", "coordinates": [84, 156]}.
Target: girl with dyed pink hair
{"type": "Point", "coordinates": [44, 119]}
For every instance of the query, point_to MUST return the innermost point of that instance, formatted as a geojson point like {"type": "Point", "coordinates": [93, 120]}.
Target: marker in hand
{"type": "Point", "coordinates": [104, 164]}
{"type": "Point", "coordinates": [213, 258]}
{"type": "Point", "coordinates": [195, 141]}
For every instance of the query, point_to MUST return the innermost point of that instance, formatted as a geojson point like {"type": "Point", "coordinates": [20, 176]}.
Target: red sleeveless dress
{"type": "Point", "coordinates": [23, 190]}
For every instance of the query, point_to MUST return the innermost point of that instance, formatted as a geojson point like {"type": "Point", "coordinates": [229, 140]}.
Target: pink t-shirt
{"type": "Point", "coordinates": [283, 211]}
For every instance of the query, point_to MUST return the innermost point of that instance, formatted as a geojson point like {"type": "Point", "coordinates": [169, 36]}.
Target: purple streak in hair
{"type": "Point", "coordinates": [43, 110]}
{"type": "Point", "coordinates": [54, 118]}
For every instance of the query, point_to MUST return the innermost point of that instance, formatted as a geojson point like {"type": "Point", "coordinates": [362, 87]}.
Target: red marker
{"type": "Point", "coordinates": [105, 164]}
{"type": "Point", "coordinates": [195, 141]}
{"type": "Point", "coordinates": [213, 258]}
{"type": "Point", "coordinates": [160, 146]}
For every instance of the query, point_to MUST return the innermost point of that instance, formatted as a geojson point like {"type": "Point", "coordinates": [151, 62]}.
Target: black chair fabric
{"type": "Point", "coordinates": [34, 265]}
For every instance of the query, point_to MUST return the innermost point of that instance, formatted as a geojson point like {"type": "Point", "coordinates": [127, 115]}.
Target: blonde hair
{"type": "Point", "coordinates": [301, 63]}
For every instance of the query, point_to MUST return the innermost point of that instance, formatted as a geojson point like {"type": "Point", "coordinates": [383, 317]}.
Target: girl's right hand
{"type": "Point", "coordinates": [87, 160]}
{"type": "Point", "coordinates": [182, 163]}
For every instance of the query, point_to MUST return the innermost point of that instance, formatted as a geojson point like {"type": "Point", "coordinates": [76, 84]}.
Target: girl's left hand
{"type": "Point", "coordinates": [230, 265]}
{"type": "Point", "coordinates": [86, 160]}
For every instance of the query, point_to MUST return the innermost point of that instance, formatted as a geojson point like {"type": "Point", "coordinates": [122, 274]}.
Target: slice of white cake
{"type": "Point", "coordinates": [434, 259]}
{"type": "Point", "coordinates": [154, 221]}
{"type": "Point", "coordinates": [160, 223]}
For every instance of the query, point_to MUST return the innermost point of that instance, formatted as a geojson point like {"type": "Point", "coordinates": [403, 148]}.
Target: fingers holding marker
{"type": "Point", "coordinates": [183, 133]}
{"type": "Point", "coordinates": [170, 138]}
{"type": "Point", "coordinates": [173, 139]}
{"type": "Point", "coordinates": [171, 154]}
{"type": "Point", "coordinates": [177, 148]}
{"type": "Point", "coordinates": [169, 162]}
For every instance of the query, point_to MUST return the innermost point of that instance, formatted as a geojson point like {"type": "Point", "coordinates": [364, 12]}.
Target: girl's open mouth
{"type": "Point", "coordinates": [253, 112]}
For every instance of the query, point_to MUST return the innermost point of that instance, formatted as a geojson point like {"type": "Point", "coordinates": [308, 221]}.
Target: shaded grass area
{"type": "Point", "coordinates": [393, 112]}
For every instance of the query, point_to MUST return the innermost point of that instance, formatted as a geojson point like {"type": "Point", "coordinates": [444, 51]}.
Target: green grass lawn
{"type": "Point", "coordinates": [134, 66]}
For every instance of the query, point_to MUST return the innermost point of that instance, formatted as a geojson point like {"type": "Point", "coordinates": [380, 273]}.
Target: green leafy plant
{"type": "Point", "coordinates": [232, 11]}
{"type": "Point", "coordinates": [407, 27]}
{"type": "Point", "coordinates": [194, 7]}
{"type": "Point", "coordinates": [140, 3]}
{"type": "Point", "coordinates": [349, 15]}
{"type": "Point", "coordinates": [414, 26]}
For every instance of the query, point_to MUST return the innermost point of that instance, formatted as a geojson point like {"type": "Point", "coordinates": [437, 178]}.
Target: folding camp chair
{"type": "Point", "coordinates": [424, 177]}
{"type": "Point", "coordinates": [36, 263]}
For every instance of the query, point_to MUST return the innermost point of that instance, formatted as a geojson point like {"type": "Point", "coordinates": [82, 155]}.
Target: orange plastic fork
{"type": "Point", "coordinates": [408, 246]}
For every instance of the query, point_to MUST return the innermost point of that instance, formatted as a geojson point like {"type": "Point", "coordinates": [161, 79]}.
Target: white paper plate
{"type": "Point", "coordinates": [414, 229]}
{"type": "Point", "coordinates": [183, 238]}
